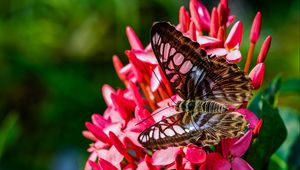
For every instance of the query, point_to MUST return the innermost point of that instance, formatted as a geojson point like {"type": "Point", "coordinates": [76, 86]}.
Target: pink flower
{"type": "Point", "coordinates": [257, 75]}
{"type": "Point", "coordinates": [147, 97]}
{"type": "Point", "coordinates": [230, 156]}
{"type": "Point", "coordinates": [232, 45]}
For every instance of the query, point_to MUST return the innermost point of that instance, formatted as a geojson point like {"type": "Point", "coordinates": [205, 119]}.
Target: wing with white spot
{"type": "Point", "coordinates": [200, 128]}
{"type": "Point", "coordinates": [192, 74]}
{"type": "Point", "coordinates": [178, 56]}
{"type": "Point", "coordinates": [176, 130]}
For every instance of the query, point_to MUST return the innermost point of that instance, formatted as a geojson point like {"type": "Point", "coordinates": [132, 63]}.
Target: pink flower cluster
{"type": "Point", "coordinates": [114, 133]}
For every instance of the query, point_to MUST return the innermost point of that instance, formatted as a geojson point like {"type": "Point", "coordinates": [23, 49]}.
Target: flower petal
{"type": "Point", "coordinates": [195, 155]}
{"type": "Point", "coordinates": [90, 161]}
{"type": "Point", "coordinates": [165, 156]}
{"type": "Point", "coordinates": [145, 57]}
{"type": "Point", "coordinates": [240, 147]}
{"type": "Point", "coordinates": [99, 121]}
{"type": "Point", "coordinates": [250, 117]}
{"type": "Point", "coordinates": [217, 52]}
{"type": "Point", "coordinates": [240, 164]}
{"type": "Point", "coordinates": [117, 143]}
{"type": "Point", "coordinates": [234, 56]}
{"type": "Point", "coordinates": [107, 90]}
{"type": "Point", "coordinates": [222, 164]}
{"type": "Point", "coordinates": [257, 75]}
{"type": "Point", "coordinates": [134, 41]}
{"type": "Point", "coordinates": [155, 79]}
{"type": "Point", "coordinates": [106, 165]}
{"type": "Point", "coordinates": [199, 15]}
{"type": "Point", "coordinates": [97, 132]}
{"type": "Point", "coordinates": [207, 41]}
{"type": "Point", "coordinates": [234, 37]}
{"type": "Point", "coordinates": [118, 66]}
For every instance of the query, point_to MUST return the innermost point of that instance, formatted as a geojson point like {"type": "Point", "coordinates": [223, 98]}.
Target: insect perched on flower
{"type": "Point", "coordinates": [207, 85]}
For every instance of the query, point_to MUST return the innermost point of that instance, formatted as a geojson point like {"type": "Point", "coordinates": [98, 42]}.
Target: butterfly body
{"type": "Point", "coordinates": [196, 106]}
{"type": "Point", "coordinates": [206, 85]}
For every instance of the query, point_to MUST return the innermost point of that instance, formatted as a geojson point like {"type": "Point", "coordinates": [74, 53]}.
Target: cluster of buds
{"type": "Point", "coordinates": [147, 92]}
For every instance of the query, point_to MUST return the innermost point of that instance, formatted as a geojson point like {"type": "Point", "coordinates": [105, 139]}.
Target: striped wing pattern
{"type": "Point", "coordinates": [195, 76]}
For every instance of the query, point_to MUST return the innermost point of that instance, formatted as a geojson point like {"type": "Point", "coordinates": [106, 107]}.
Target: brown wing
{"type": "Point", "coordinates": [198, 128]}
{"type": "Point", "coordinates": [176, 130]}
{"type": "Point", "coordinates": [216, 127]}
{"type": "Point", "coordinates": [192, 74]}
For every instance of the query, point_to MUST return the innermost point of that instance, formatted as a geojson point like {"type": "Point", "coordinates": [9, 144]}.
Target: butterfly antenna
{"type": "Point", "coordinates": [152, 115]}
{"type": "Point", "coordinates": [165, 88]}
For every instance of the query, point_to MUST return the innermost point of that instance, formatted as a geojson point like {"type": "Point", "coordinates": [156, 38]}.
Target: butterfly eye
{"type": "Point", "coordinates": [191, 105]}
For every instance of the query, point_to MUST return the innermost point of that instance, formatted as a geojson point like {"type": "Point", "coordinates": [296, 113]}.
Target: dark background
{"type": "Point", "coordinates": [55, 55]}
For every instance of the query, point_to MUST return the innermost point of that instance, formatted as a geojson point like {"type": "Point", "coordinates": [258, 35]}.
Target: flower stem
{"type": "Point", "coordinates": [249, 57]}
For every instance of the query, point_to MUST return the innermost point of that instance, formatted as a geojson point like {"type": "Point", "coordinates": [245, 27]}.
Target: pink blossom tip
{"type": "Point", "coordinates": [256, 27]}
{"type": "Point", "coordinates": [199, 15]}
{"type": "Point", "coordinates": [257, 75]}
{"type": "Point", "coordinates": [134, 41]}
{"type": "Point", "coordinates": [234, 38]}
{"type": "Point", "coordinates": [118, 66]}
{"type": "Point", "coordinates": [184, 19]}
{"type": "Point", "coordinates": [264, 50]}
{"type": "Point", "coordinates": [214, 25]}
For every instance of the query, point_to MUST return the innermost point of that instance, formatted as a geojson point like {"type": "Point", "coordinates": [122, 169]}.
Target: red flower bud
{"type": "Point", "coordinates": [256, 27]}
{"type": "Point", "coordinates": [257, 75]}
{"type": "Point", "coordinates": [192, 31]}
{"type": "Point", "coordinates": [264, 50]}
{"type": "Point", "coordinates": [214, 23]}
{"type": "Point", "coordinates": [184, 19]}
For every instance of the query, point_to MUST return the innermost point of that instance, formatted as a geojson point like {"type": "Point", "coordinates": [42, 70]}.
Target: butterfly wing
{"type": "Point", "coordinates": [176, 130]}
{"type": "Point", "coordinates": [188, 127]}
{"type": "Point", "coordinates": [216, 127]}
{"type": "Point", "coordinates": [192, 74]}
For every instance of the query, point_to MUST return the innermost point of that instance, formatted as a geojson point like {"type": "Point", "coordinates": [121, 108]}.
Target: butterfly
{"type": "Point", "coordinates": [207, 85]}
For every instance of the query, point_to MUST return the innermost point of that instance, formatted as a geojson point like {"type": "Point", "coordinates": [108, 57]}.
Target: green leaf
{"type": "Point", "coordinates": [269, 94]}
{"type": "Point", "coordinates": [272, 135]}
{"type": "Point", "coordinates": [292, 86]}
{"type": "Point", "coordinates": [8, 131]}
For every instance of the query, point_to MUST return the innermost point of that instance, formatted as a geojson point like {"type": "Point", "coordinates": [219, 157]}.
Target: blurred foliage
{"type": "Point", "coordinates": [55, 56]}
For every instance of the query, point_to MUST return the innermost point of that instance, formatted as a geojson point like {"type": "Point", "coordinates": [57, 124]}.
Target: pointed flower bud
{"type": "Point", "coordinates": [214, 25]}
{"type": "Point", "coordinates": [118, 66]}
{"type": "Point", "coordinates": [264, 50]}
{"type": "Point", "coordinates": [256, 27]}
{"type": "Point", "coordinates": [192, 31]}
{"type": "Point", "coordinates": [257, 75]}
{"type": "Point", "coordinates": [184, 19]}
{"type": "Point", "coordinates": [134, 41]}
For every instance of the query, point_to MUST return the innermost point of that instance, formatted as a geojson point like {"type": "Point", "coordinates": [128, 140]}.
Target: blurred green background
{"type": "Point", "coordinates": [56, 54]}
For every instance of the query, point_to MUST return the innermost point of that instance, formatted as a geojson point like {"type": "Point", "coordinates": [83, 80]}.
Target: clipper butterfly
{"type": "Point", "coordinates": [206, 85]}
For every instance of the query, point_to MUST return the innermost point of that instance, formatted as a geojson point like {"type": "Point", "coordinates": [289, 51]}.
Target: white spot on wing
{"type": "Point", "coordinates": [156, 134]}
{"type": "Point", "coordinates": [172, 51]}
{"type": "Point", "coordinates": [166, 51]}
{"type": "Point", "coordinates": [178, 129]}
{"type": "Point", "coordinates": [169, 132]}
{"type": "Point", "coordinates": [186, 67]}
{"type": "Point", "coordinates": [178, 58]}
{"type": "Point", "coordinates": [161, 50]}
